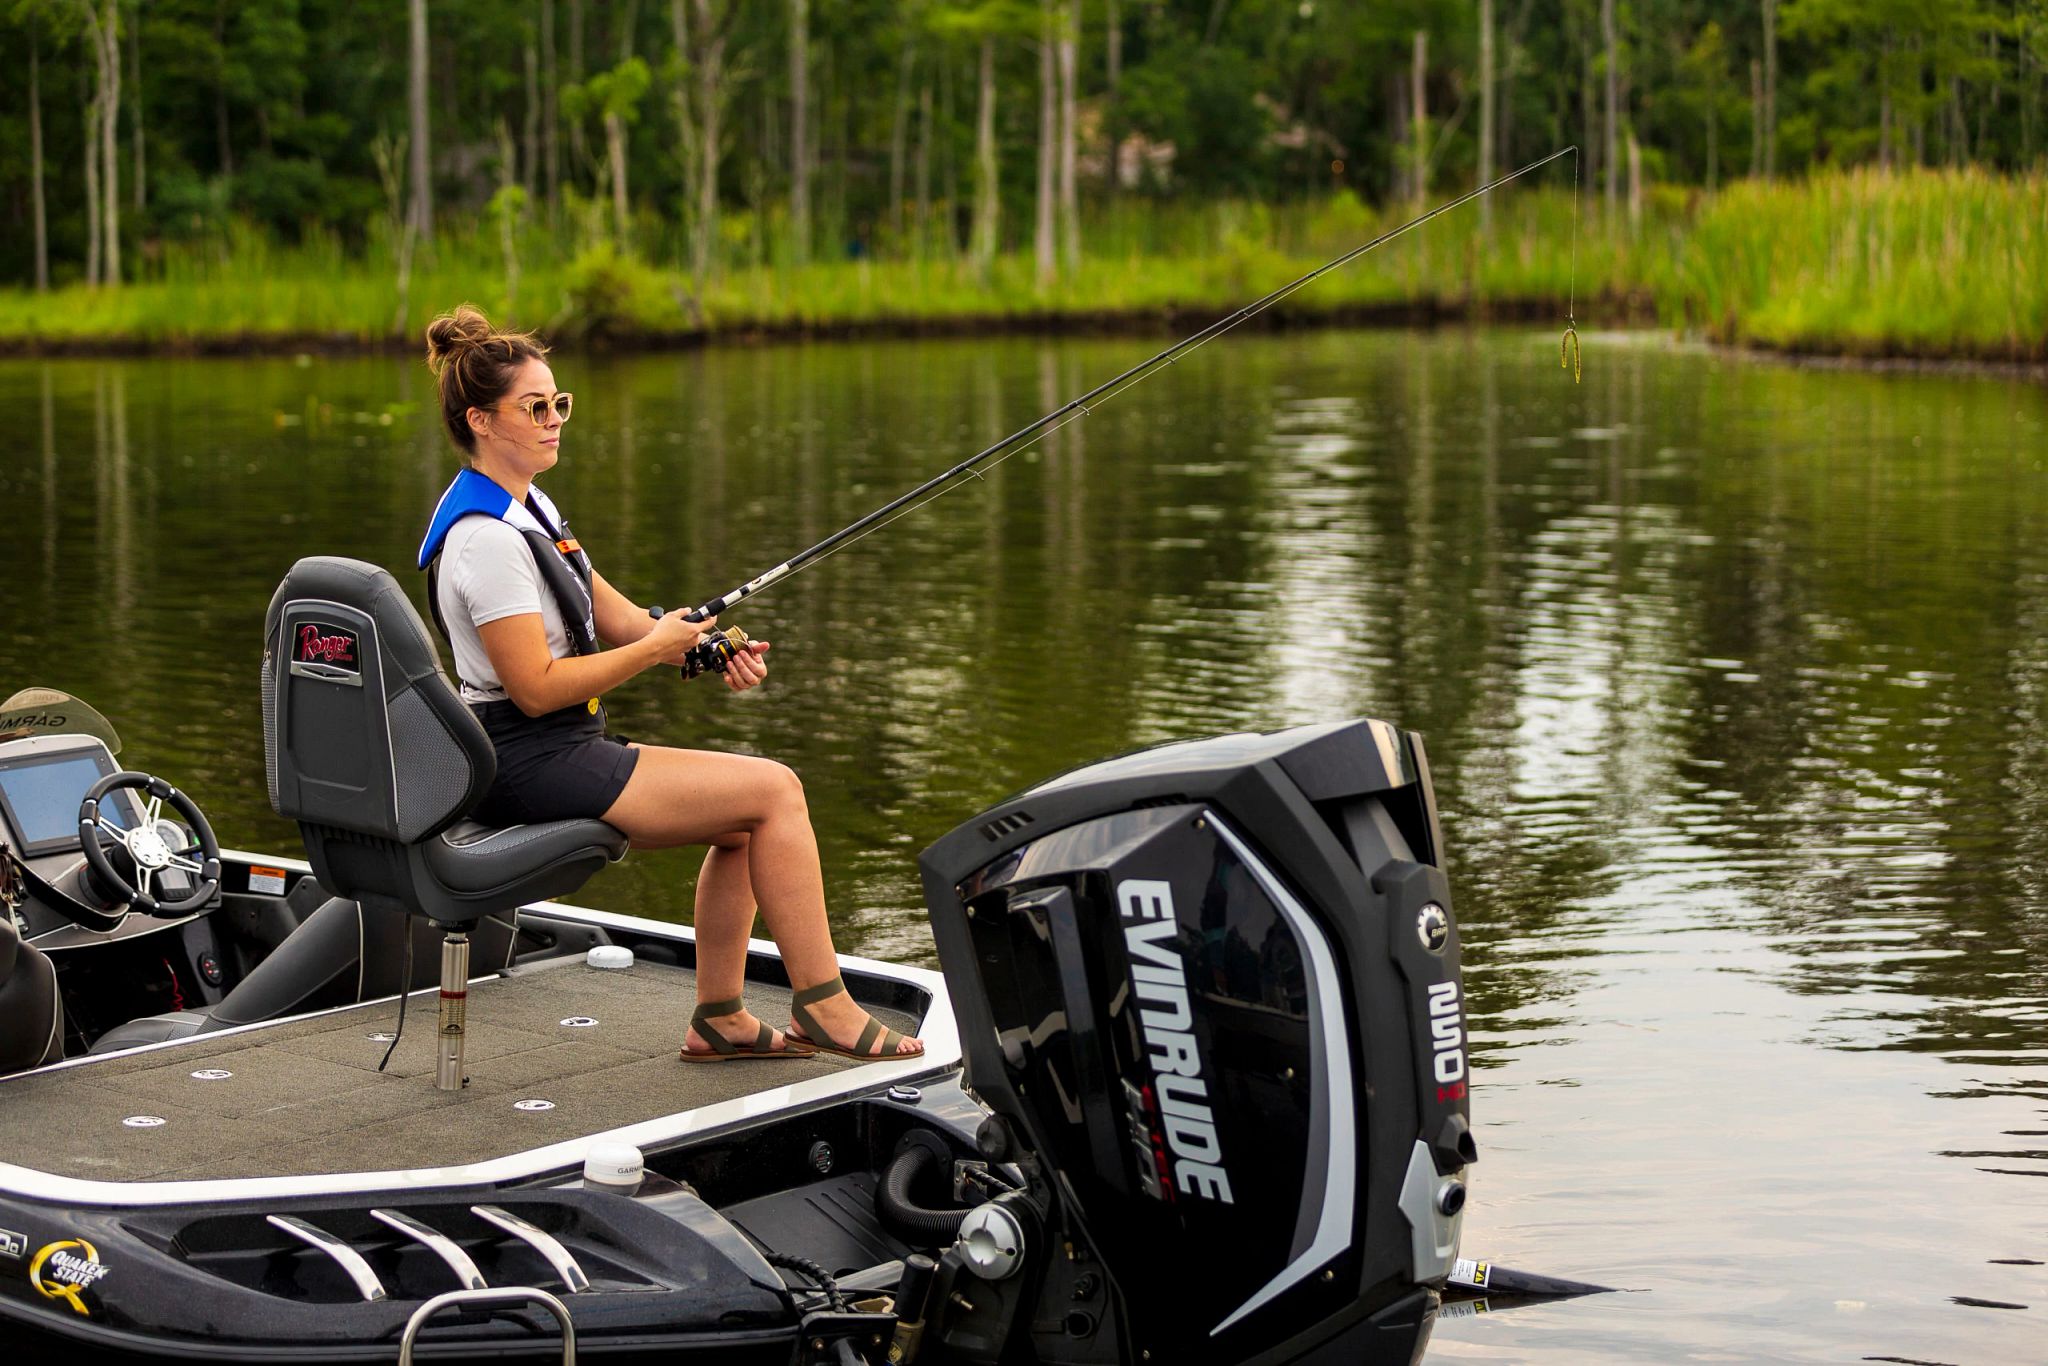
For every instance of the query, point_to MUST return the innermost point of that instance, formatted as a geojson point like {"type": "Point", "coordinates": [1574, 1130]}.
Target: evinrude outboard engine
{"type": "Point", "coordinates": [1211, 992]}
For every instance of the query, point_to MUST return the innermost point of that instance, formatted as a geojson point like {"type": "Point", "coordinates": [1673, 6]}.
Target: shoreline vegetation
{"type": "Point", "coordinates": [1917, 265]}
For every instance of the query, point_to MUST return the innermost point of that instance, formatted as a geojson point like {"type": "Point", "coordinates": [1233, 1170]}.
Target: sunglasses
{"type": "Point", "coordinates": [537, 408]}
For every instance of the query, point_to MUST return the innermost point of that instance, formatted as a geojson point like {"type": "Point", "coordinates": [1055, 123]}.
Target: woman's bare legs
{"type": "Point", "coordinates": [753, 815]}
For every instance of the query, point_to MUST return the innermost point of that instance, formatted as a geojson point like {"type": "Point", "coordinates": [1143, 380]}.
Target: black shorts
{"type": "Point", "coordinates": [556, 767]}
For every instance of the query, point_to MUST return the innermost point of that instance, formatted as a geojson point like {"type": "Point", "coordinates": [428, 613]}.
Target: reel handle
{"type": "Point", "coordinates": [713, 651]}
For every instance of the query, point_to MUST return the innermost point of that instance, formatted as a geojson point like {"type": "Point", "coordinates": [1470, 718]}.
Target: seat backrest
{"type": "Point", "coordinates": [362, 734]}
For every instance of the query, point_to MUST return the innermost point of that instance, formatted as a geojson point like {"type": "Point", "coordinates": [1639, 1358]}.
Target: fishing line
{"type": "Point", "coordinates": [1568, 344]}
{"type": "Point", "coordinates": [1031, 435]}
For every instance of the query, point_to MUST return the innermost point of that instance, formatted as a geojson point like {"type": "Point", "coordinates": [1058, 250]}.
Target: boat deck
{"type": "Point", "coordinates": [305, 1098]}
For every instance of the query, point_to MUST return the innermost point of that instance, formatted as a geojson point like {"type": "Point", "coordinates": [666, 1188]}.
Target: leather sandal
{"type": "Point", "coordinates": [725, 1050]}
{"type": "Point", "coordinates": [818, 1037]}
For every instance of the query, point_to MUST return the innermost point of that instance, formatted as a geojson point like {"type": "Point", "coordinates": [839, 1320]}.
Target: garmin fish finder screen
{"type": "Point", "coordinates": [43, 798]}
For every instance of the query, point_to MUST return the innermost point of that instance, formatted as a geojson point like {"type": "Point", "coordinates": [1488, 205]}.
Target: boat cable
{"type": "Point", "coordinates": [1075, 408]}
{"type": "Point", "coordinates": [819, 1275]}
{"type": "Point", "coordinates": [404, 995]}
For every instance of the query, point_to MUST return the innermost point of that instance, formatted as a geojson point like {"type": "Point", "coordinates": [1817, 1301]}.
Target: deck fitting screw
{"type": "Point", "coordinates": [1329, 1276]}
{"type": "Point", "coordinates": [817, 1344]}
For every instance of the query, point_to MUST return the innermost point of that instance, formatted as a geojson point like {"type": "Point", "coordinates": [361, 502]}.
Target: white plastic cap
{"type": "Point", "coordinates": [614, 1164]}
{"type": "Point", "coordinates": [609, 956]}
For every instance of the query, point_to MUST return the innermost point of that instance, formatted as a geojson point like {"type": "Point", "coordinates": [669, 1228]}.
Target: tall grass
{"type": "Point", "coordinates": [1928, 263]}
{"type": "Point", "coordinates": [1937, 263]}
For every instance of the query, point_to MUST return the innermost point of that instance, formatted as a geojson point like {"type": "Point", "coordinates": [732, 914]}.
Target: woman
{"type": "Point", "coordinates": [524, 614]}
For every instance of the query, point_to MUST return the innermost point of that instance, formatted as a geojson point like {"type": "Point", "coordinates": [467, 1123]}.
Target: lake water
{"type": "Point", "coordinates": [1734, 675]}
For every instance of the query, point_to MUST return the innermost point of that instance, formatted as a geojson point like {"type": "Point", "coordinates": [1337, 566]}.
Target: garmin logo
{"type": "Point", "coordinates": [1185, 1121]}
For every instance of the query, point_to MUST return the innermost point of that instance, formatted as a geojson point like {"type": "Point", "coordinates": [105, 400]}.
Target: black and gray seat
{"type": "Point", "coordinates": [369, 749]}
{"type": "Point", "coordinates": [340, 955]}
{"type": "Point", "coordinates": [31, 1009]}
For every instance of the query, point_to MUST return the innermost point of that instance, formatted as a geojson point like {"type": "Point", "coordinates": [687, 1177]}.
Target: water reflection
{"type": "Point", "coordinates": [1735, 679]}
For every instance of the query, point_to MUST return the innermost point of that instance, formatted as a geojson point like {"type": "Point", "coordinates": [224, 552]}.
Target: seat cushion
{"type": "Point", "coordinates": [177, 1024]}
{"type": "Point", "coordinates": [471, 857]}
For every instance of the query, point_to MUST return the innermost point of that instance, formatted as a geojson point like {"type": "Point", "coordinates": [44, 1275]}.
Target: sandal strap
{"type": "Point", "coordinates": [709, 1032]}
{"type": "Point", "coordinates": [867, 1036]}
{"type": "Point", "coordinates": [764, 1042]}
{"type": "Point", "coordinates": [823, 991]}
{"type": "Point", "coordinates": [800, 1001]}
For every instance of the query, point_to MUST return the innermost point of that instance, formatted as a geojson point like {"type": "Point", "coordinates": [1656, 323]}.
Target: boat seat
{"type": "Point", "coordinates": [31, 1008]}
{"type": "Point", "coordinates": [338, 956]}
{"type": "Point", "coordinates": [371, 751]}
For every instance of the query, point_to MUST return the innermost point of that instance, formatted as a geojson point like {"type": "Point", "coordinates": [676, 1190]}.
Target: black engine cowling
{"type": "Point", "coordinates": [1214, 987]}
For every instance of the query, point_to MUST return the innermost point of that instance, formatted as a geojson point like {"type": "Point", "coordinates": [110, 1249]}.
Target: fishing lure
{"type": "Point", "coordinates": [1568, 351]}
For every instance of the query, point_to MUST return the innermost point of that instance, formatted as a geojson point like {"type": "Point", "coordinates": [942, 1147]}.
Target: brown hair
{"type": "Point", "coordinates": [474, 363]}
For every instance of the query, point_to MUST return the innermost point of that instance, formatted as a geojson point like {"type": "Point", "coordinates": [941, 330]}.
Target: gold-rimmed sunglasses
{"type": "Point", "coordinates": [537, 407]}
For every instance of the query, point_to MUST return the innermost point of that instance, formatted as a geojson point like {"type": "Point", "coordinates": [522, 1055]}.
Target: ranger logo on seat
{"type": "Point", "coordinates": [1179, 1118]}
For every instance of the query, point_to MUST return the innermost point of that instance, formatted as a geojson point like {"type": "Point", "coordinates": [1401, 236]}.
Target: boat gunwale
{"type": "Point", "coordinates": [938, 1029]}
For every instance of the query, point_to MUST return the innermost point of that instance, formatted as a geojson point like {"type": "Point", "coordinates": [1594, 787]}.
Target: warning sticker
{"type": "Point", "coordinates": [267, 881]}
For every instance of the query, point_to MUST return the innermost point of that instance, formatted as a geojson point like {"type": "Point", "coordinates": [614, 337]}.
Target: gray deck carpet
{"type": "Point", "coordinates": [305, 1097]}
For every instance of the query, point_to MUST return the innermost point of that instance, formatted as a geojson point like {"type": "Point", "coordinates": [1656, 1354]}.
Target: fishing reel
{"type": "Point", "coordinates": [713, 651]}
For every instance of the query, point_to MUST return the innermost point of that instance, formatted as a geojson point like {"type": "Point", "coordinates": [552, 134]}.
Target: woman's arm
{"type": "Point", "coordinates": [619, 620]}
{"type": "Point", "coordinates": [538, 683]}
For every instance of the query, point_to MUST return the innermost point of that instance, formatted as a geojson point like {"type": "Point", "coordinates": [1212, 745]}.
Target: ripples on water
{"type": "Point", "coordinates": [1733, 677]}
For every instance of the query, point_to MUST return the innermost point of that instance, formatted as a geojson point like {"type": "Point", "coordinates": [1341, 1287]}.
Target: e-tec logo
{"type": "Point", "coordinates": [1447, 1039]}
{"type": "Point", "coordinates": [62, 1270]}
{"type": "Point", "coordinates": [1179, 1118]}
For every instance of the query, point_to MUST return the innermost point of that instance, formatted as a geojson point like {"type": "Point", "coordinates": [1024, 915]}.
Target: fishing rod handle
{"type": "Point", "coordinates": [713, 651]}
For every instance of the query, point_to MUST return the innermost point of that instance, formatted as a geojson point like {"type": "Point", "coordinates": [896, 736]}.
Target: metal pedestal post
{"type": "Point", "coordinates": [448, 1074]}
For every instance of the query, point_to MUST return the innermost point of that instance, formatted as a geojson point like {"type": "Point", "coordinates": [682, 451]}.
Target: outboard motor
{"type": "Point", "coordinates": [1211, 992]}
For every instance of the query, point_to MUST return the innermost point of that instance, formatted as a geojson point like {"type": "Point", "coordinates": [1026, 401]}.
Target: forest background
{"type": "Point", "coordinates": [1863, 176]}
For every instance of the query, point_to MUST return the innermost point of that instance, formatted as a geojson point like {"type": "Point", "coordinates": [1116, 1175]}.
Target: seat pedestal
{"type": "Point", "coordinates": [448, 1073]}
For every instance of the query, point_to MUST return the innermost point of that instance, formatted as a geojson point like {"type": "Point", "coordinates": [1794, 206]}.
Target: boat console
{"type": "Point", "coordinates": [1195, 1086]}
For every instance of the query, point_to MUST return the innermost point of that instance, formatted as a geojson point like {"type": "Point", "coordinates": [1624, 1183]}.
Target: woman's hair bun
{"type": "Point", "coordinates": [466, 326]}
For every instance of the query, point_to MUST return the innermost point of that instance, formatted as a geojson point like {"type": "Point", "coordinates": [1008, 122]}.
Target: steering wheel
{"type": "Point", "coordinates": [147, 848]}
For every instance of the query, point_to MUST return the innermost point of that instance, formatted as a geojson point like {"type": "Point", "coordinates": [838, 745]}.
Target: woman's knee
{"type": "Point", "coordinates": [784, 788]}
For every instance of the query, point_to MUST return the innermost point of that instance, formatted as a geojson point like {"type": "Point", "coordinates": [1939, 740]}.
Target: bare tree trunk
{"type": "Point", "coordinates": [579, 146]}
{"type": "Point", "coordinates": [689, 143]}
{"type": "Point", "coordinates": [529, 135]}
{"type": "Point", "coordinates": [1756, 117]}
{"type": "Point", "coordinates": [1048, 147]}
{"type": "Point", "coordinates": [710, 66]}
{"type": "Point", "coordinates": [1713, 148]}
{"type": "Point", "coordinates": [1611, 133]}
{"type": "Point", "coordinates": [224, 146]}
{"type": "Point", "coordinates": [987, 200]}
{"type": "Point", "coordinates": [108, 35]}
{"type": "Point", "coordinates": [1486, 113]}
{"type": "Point", "coordinates": [94, 240]}
{"type": "Point", "coordinates": [38, 208]}
{"type": "Point", "coordinates": [422, 173]}
{"type": "Point", "coordinates": [1113, 64]}
{"type": "Point", "coordinates": [1070, 203]}
{"type": "Point", "coordinates": [1770, 89]}
{"type": "Point", "coordinates": [899, 138]}
{"type": "Point", "coordinates": [135, 111]}
{"type": "Point", "coordinates": [615, 141]}
{"type": "Point", "coordinates": [550, 117]}
{"type": "Point", "coordinates": [923, 171]}
{"type": "Point", "coordinates": [1418, 116]}
{"type": "Point", "coordinates": [1635, 184]}
{"type": "Point", "coordinates": [799, 129]}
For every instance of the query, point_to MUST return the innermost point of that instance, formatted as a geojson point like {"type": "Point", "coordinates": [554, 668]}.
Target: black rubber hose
{"type": "Point", "coordinates": [932, 1227]}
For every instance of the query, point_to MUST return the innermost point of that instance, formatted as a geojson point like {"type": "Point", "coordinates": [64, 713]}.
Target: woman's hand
{"type": "Point", "coordinates": [747, 669]}
{"type": "Point", "coordinates": [673, 636]}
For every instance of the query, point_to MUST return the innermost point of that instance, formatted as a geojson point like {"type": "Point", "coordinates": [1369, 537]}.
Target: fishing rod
{"type": "Point", "coordinates": [719, 646]}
